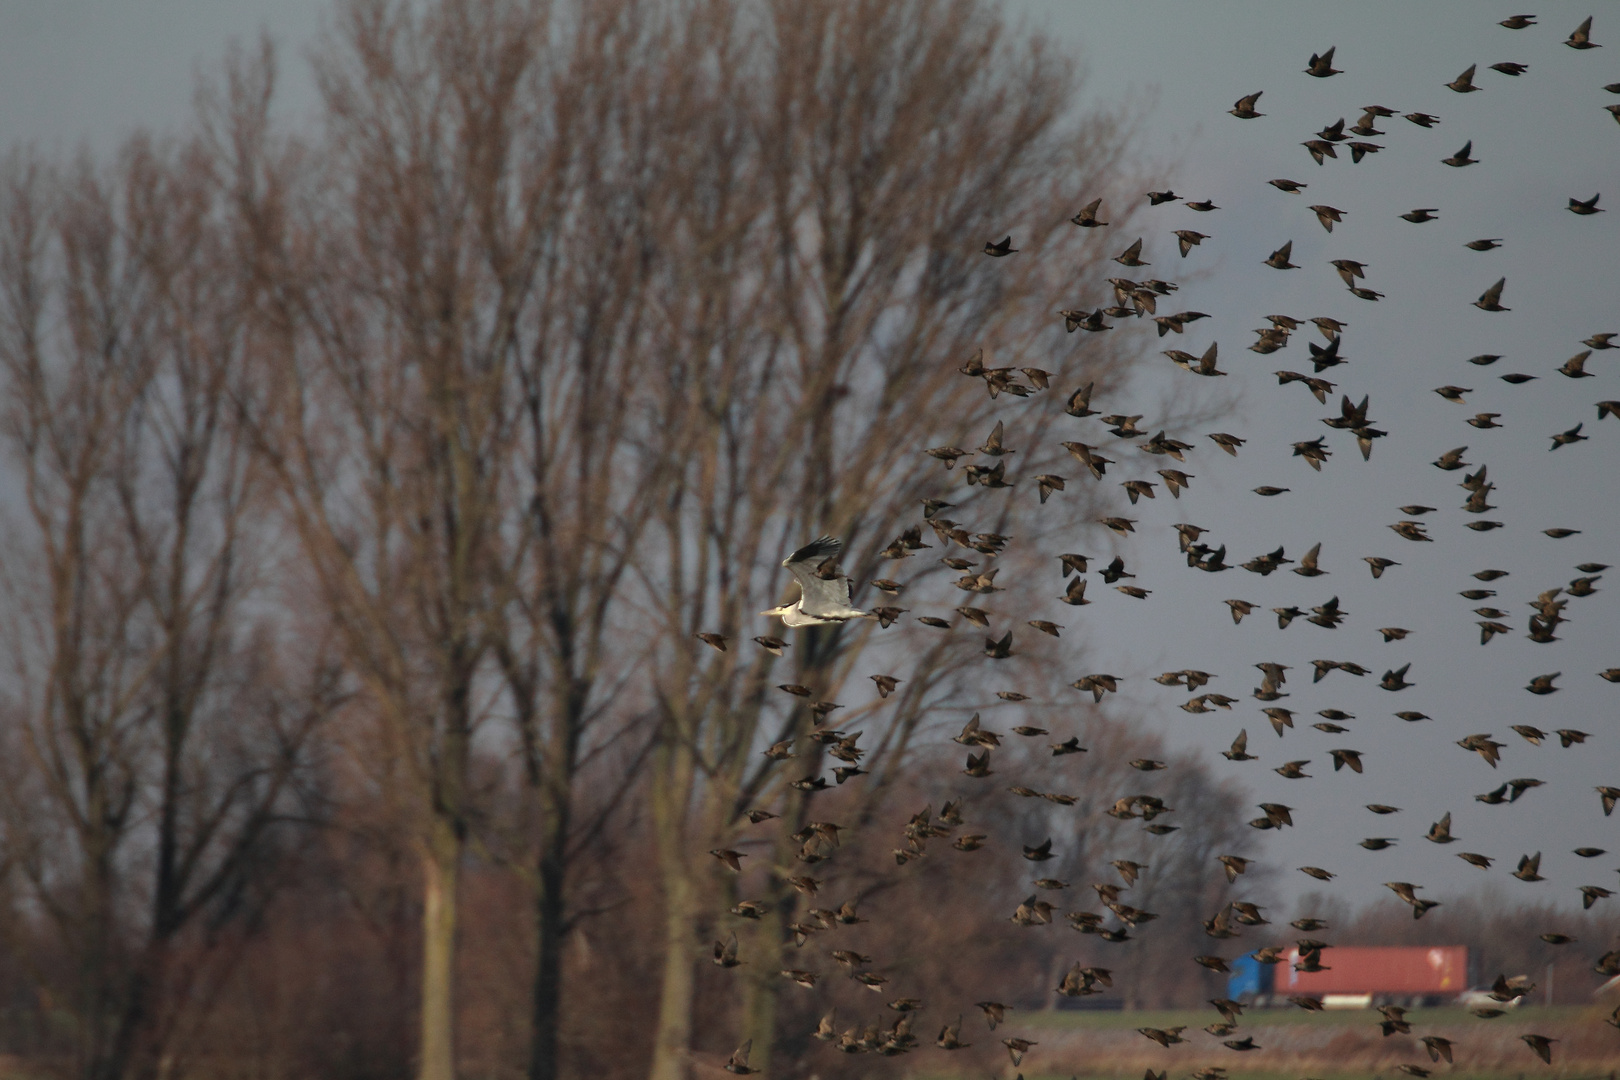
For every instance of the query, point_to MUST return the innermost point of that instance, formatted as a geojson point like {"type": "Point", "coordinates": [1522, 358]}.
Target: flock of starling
{"type": "Point", "coordinates": [970, 554]}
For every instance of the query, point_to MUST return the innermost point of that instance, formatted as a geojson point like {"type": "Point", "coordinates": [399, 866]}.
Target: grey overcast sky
{"type": "Point", "coordinates": [89, 71]}
{"type": "Point", "coordinates": [1539, 139]}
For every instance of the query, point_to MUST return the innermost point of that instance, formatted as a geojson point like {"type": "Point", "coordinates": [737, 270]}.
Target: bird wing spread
{"type": "Point", "coordinates": [819, 596]}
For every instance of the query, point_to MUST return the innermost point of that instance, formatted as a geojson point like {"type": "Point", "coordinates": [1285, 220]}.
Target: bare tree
{"type": "Point", "coordinates": [564, 644]}
{"type": "Point", "coordinates": [559, 335]}
{"type": "Point", "coordinates": [385, 415]}
{"type": "Point", "coordinates": [451, 284]}
{"type": "Point", "coordinates": [832, 288]}
{"type": "Point", "coordinates": [160, 733]}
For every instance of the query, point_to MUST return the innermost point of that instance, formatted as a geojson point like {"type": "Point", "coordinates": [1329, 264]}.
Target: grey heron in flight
{"type": "Point", "coordinates": [822, 601]}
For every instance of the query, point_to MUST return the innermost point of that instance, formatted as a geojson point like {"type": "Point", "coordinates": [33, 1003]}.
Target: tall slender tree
{"type": "Point", "coordinates": [828, 297]}
{"type": "Point", "coordinates": [158, 732]}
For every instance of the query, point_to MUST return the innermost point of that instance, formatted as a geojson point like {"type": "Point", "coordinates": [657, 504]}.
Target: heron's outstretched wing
{"type": "Point", "coordinates": [819, 595]}
{"type": "Point", "coordinates": [804, 561]}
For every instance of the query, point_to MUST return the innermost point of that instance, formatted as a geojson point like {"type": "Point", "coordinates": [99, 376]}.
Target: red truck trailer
{"type": "Point", "coordinates": [1386, 973]}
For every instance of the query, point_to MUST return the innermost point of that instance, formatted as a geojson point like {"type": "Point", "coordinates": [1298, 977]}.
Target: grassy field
{"type": "Point", "coordinates": [1525, 1018]}
{"type": "Point", "coordinates": [1442, 1072]}
{"type": "Point", "coordinates": [1298, 1045]}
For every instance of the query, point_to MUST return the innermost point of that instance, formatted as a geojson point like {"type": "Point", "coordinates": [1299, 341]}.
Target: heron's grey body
{"type": "Point", "coordinates": [822, 601]}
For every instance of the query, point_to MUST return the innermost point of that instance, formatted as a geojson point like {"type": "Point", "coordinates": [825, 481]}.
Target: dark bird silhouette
{"type": "Point", "coordinates": [1395, 680]}
{"type": "Point", "coordinates": [950, 1036]}
{"type": "Point", "coordinates": [1351, 758]}
{"type": "Point", "coordinates": [1540, 1043]}
{"type": "Point", "coordinates": [1589, 206]}
{"type": "Point", "coordinates": [1087, 217]}
{"type": "Point", "coordinates": [1086, 455]}
{"type": "Point", "coordinates": [1040, 852]}
{"type": "Point", "coordinates": [1314, 452]}
{"type": "Point", "coordinates": [1131, 256]}
{"type": "Point", "coordinates": [1079, 403]}
{"type": "Point", "coordinates": [994, 1012]}
{"type": "Point", "coordinates": [1438, 1048]}
{"type": "Point", "coordinates": [1451, 459]}
{"type": "Point", "coordinates": [1491, 298]}
{"type": "Point", "coordinates": [1367, 126]}
{"type": "Point", "coordinates": [1529, 868]}
{"type": "Point", "coordinates": [1163, 1037]}
{"type": "Point", "coordinates": [1575, 366]}
{"type": "Point", "coordinates": [738, 1062]}
{"type": "Point", "coordinates": [1320, 150]}
{"type": "Point", "coordinates": [1567, 438]}
{"type": "Point", "coordinates": [1244, 107]}
{"type": "Point", "coordinates": [1411, 530]}
{"type": "Point", "coordinates": [992, 444]}
{"type": "Point", "coordinates": [1609, 795]}
{"type": "Point", "coordinates": [1543, 684]}
{"type": "Point", "coordinates": [1464, 83]}
{"type": "Point", "coordinates": [1582, 36]}
{"type": "Point", "coordinates": [1016, 1048]}
{"type": "Point", "coordinates": [1189, 239]}
{"type": "Point", "coordinates": [998, 249]}
{"type": "Point", "coordinates": [1075, 594]}
{"type": "Point", "coordinates": [1349, 270]}
{"type": "Point", "coordinates": [1279, 258]}
{"type": "Point", "coordinates": [1322, 66]}
{"type": "Point", "coordinates": [1461, 158]}
{"type": "Point", "coordinates": [1327, 215]}
{"type": "Point", "coordinates": [730, 858]}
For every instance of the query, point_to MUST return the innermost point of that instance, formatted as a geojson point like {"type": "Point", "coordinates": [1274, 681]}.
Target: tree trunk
{"type": "Point", "coordinates": [759, 992]}
{"type": "Point", "coordinates": [131, 1053]}
{"type": "Point", "coordinates": [673, 1036]}
{"type": "Point", "coordinates": [768, 943]}
{"type": "Point", "coordinates": [672, 793]}
{"type": "Point", "coordinates": [97, 974]}
{"type": "Point", "coordinates": [440, 872]}
{"type": "Point", "coordinates": [547, 997]}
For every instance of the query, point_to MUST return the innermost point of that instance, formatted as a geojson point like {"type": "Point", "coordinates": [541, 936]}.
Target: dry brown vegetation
{"type": "Point", "coordinates": [366, 485]}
